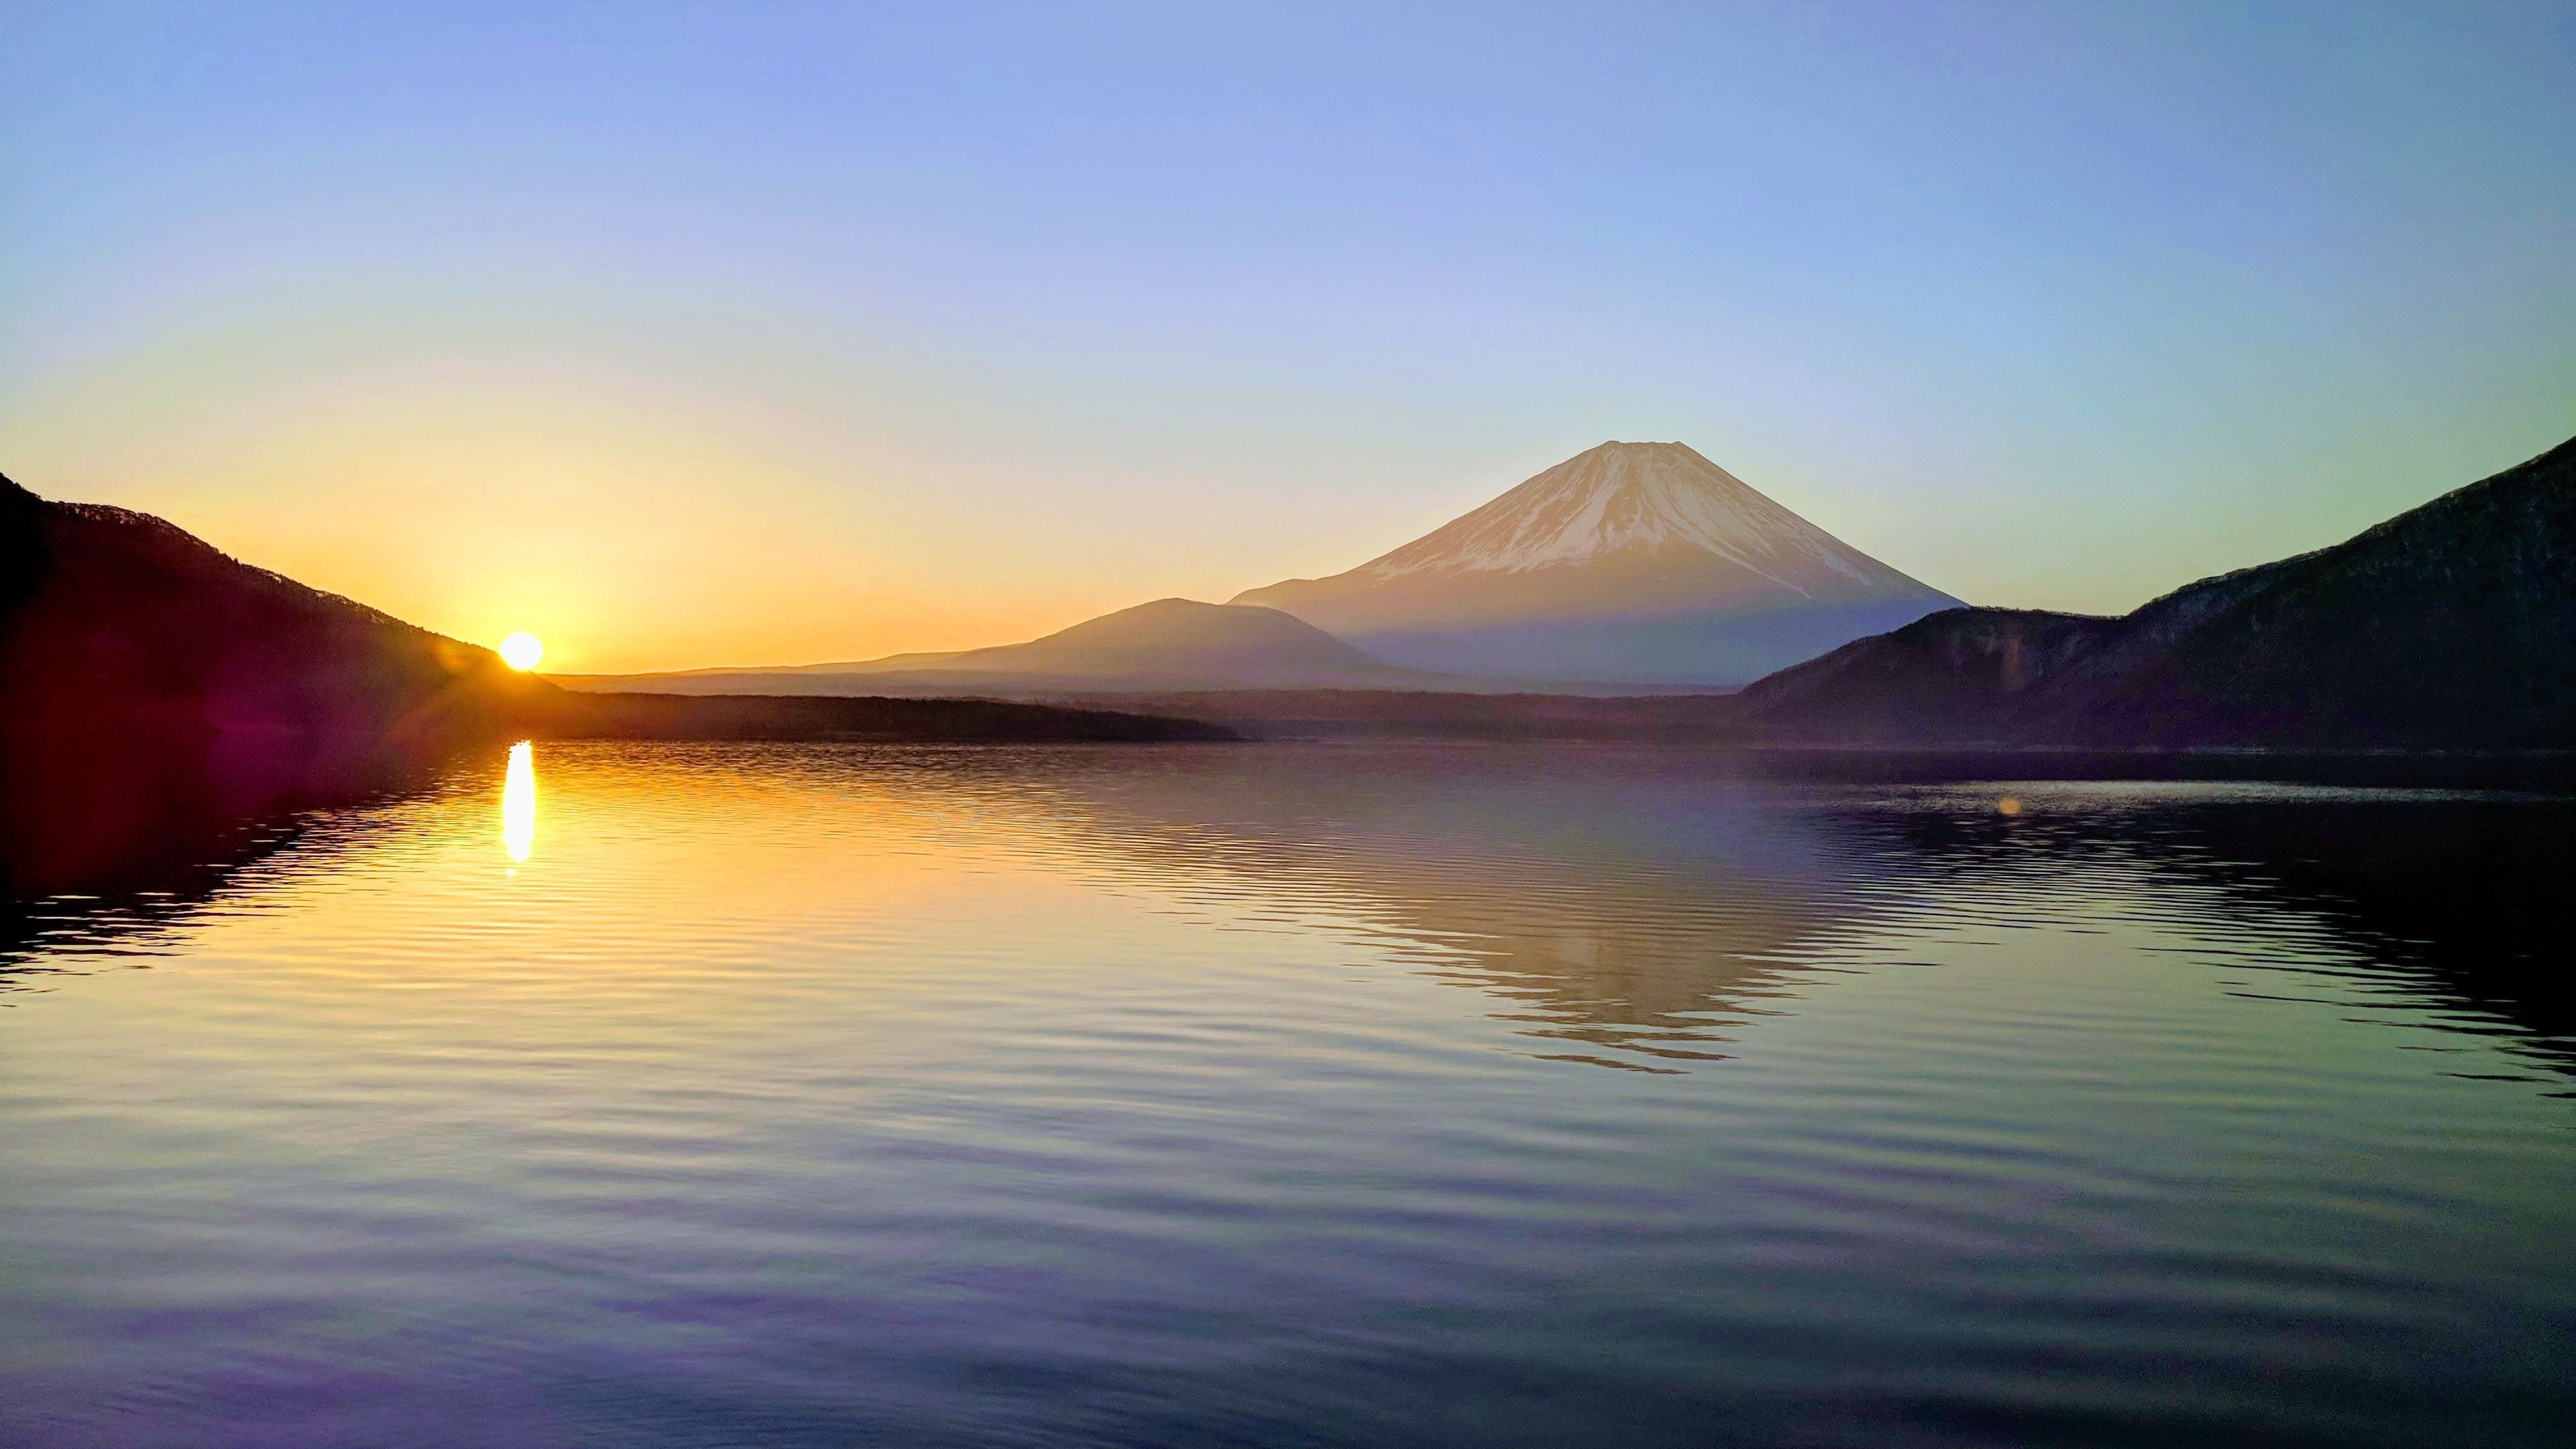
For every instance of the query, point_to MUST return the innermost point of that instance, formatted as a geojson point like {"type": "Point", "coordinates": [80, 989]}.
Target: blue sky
{"type": "Point", "coordinates": [701, 334]}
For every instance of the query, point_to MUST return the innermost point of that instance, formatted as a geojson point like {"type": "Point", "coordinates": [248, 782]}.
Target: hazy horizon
{"type": "Point", "coordinates": [1901, 770]}
{"type": "Point", "coordinates": [686, 339]}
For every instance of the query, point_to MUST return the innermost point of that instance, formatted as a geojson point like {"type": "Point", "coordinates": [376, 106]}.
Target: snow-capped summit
{"type": "Point", "coordinates": [1636, 495]}
{"type": "Point", "coordinates": [1639, 563]}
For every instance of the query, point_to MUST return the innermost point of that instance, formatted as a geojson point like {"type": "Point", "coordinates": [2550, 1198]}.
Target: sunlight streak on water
{"type": "Point", "coordinates": [1321, 1096]}
{"type": "Point", "coordinates": [519, 803]}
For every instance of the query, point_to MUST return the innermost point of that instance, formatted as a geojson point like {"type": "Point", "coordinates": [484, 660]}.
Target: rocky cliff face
{"type": "Point", "coordinates": [2451, 625]}
{"type": "Point", "coordinates": [1636, 562]}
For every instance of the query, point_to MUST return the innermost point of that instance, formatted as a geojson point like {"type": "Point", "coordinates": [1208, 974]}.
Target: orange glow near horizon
{"type": "Point", "coordinates": [629, 531]}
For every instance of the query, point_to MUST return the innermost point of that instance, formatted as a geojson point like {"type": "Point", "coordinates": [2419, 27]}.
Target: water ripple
{"type": "Point", "coordinates": [815, 1095]}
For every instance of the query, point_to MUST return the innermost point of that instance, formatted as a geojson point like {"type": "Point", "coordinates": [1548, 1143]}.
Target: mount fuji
{"type": "Point", "coordinates": [1633, 563]}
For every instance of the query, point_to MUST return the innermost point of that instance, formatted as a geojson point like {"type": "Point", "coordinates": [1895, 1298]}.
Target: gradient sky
{"type": "Point", "coordinates": [704, 334]}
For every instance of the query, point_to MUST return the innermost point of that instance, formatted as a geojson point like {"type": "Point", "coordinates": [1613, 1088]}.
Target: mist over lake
{"type": "Point", "coordinates": [1343, 1094]}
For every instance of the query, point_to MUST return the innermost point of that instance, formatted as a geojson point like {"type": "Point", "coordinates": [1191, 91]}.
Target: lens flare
{"type": "Point", "coordinates": [522, 650]}
{"type": "Point", "coordinates": [519, 804]}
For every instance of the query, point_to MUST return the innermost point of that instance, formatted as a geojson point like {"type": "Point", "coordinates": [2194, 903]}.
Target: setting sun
{"type": "Point", "coordinates": [522, 650]}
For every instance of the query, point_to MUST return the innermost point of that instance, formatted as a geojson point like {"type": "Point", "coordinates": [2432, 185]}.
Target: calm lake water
{"type": "Point", "coordinates": [1302, 1095]}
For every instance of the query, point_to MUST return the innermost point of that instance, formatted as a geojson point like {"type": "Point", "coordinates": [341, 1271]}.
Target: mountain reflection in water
{"type": "Point", "coordinates": [821, 1094]}
{"type": "Point", "coordinates": [1643, 900]}
{"type": "Point", "coordinates": [1634, 904]}
{"type": "Point", "coordinates": [1618, 910]}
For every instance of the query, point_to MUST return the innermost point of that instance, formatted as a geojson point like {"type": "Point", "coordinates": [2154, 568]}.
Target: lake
{"type": "Point", "coordinates": [1327, 1094]}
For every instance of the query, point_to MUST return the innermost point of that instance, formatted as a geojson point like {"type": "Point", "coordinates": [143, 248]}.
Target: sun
{"type": "Point", "coordinates": [522, 650]}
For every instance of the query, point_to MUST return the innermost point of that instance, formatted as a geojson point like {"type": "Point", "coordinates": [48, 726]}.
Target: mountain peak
{"type": "Point", "coordinates": [1620, 497]}
{"type": "Point", "coordinates": [1628, 562]}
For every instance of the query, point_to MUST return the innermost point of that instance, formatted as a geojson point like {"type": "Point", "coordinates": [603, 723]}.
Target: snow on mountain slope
{"type": "Point", "coordinates": [1635, 495]}
{"type": "Point", "coordinates": [1642, 562]}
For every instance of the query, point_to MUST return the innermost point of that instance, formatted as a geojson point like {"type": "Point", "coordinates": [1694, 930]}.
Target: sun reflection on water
{"type": "Point", "coordinates": [519, 804]}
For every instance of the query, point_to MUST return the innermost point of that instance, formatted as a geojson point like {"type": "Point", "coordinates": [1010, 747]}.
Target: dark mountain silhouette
{"type": "Point", "coordinates": [1167, 644]}
{"type": "Point", "coordinates": [2453, 625]}
{"type": "Point", "coordinates": [155, 692]}
{"type": "Point", "coordinates": [152, 688]}
{"type": "Point", "coordinates": [1633, 563]}
{"type": "Point", "coordinates": [115, 618]}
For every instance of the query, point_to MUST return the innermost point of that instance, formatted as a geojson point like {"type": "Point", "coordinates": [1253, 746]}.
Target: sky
{"type": "Point", "coordinates": [689, 335]}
